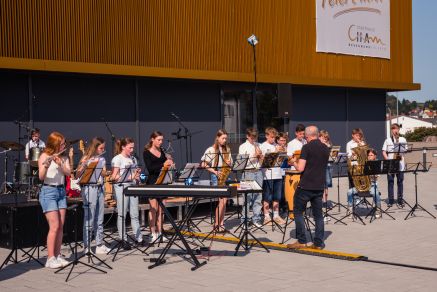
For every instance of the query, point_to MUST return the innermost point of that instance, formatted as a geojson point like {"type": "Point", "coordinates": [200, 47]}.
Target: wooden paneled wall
{"type": "Point", "coordinates": [202, 39]}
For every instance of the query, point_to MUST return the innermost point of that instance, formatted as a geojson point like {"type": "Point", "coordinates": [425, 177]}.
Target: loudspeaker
{"type": "Point", "coordinates": [27, 229]}
{"type": "Point", "coordinates": [31, 226]}
{"type": "Point", "coordinates": [284, 100]}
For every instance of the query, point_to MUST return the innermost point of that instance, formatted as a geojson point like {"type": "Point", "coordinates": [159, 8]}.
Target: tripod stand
{"type": "Point", "coordinates": [87, 254]}
{"type": "Point", "coordinates": [13, 255]}
{"type": "Point", "coordinates": [417, 206]}
{"type": "Point", "coordinates": [339, 161]}
{"type": "Point", "coordinates": [244, 235]}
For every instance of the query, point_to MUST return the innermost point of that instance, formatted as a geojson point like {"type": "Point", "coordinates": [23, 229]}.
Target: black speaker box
{"type": "Point", "coordinates": [31, 226]}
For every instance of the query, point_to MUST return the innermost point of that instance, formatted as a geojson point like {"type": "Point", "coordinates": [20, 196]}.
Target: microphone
{"type": "Point", "coordinates": [174, 115]}
{"type": "Point", "coordinates": [176, 133]}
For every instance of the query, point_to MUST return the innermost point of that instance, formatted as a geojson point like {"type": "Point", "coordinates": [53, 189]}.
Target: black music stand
{"type": "Point", "coordinates": [90, 177]}
{"type": "Point", "coordinates": [245, 232]}
{"type": "Point", "coordinates": [273, 160]}
{"type": "Point", "coordinates": [417, 206]}
{"type": "Point", "coordinates": [243, 163]}
{"type": "Point", "coordinates": [211, 157]}
{"type": "Point", "coordinates": [339, 161]}
{"type": "Point", "coordinates": [239, 165]}
{"type": "Point", "coordinates": [374, 168]}
{"type": "Point", "coordinates": [127, 177]}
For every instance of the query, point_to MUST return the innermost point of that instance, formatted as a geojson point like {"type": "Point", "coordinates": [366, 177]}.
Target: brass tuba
{"type": "Point", "coordinates": [225, 170]}
{"type": "Point", "coordinates": [361, 182]}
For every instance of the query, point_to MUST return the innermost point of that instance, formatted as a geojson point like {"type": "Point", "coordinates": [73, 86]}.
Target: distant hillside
{"type": "Point", "coordinates": [406, 106]}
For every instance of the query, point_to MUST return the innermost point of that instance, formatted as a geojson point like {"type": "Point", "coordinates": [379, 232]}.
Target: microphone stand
{"type": "Point", "coordinates": [111, 133]}
{"type": "Point", "coordinates": [187, 136]}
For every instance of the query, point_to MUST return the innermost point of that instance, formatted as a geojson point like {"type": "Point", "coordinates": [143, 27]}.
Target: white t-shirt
{"type": "Point", "coordinates": [211, 155]}
{"type": "Point", "coordinates": [249, 148]}
{"type": "Point", "coordinates": [124, 164]}
{"type": "Point", "coordinates": [274, 172]}
{"type": "Point", "coordinates": [31, 144]}
{"type": "Point", "coordinates": [349, 146]}
{"type": "Point", "coordinates": [389, 147]}
{"type": "Point", "coordinates": [294, 145]}
{"type": "Point", "coordinates": [54, 175]}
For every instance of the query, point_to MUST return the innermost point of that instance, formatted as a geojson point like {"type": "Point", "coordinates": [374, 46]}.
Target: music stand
{"type": "Point", "coordinates": [243, 163]}
{"type": "Point", "coordinates": [126, 177]}
{"type": "Point", "coordinates": [190, 171]}
{"type": "Point", "coordinates": [253, 187]}
{"type": "Point", "coordinates": [239, 165]}
{"type": "Point", "coordinates": [90, 177]}
{"type": "Point", "coordinates": [339, 159]}
{"type": "Point", "coordinates": [374, 168]}
{"type": "Point", "coordinates": [417, 206]}
{"type": "Point", "coordinates": [273, 160]}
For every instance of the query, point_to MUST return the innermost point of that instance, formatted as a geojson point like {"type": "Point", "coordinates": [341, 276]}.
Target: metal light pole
{"type": "Point", "coordinates": [253, 41]}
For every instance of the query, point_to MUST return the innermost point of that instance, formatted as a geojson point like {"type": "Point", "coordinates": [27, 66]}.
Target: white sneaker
{"type": "Point", "coordinates": [163, 238]}
{"type": "Point", "coordinates": [257, 224]}
{"type": "Point", "coordinates": [52, 263]}
{"type": "Point", "coordinates": [62, 260]}
{"type": "Point", "coordinates": [154, 237]}
{"type": "Point", "coordinates": [87, 249]}
{"type": "Point", "coordinates": [102, 249]}
{"type": "Point", "coordinates": [326, 219]}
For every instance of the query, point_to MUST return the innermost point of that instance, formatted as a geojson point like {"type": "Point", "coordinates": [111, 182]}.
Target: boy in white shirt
{"type": "Point", "coordinates": [253, 172]}
{"type": "Point", "coordinates": [387, 152]}
{"type": "Point", "coordinates": [272, 185]}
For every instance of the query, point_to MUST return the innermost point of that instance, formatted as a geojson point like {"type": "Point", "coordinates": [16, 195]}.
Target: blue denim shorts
{"type": "Point", "coordinates": [272, 190]}
{"type": "Point", "coordinates": [52, 198]}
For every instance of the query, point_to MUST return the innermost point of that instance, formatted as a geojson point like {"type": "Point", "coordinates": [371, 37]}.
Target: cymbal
{"type": "Point", "coordinates": [72, 142]}
{"type": "Point", "coordinates": [11, 145]}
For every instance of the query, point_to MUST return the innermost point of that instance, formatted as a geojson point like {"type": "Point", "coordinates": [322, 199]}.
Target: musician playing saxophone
{"type": "Point", "coordinates": [272, 184]}
{"type": "Point", "coordinates": [155, 160]}
{"type": "Point", "coordinates": [391, 145]}
{"type": "Point", "coordinates": [217, 160]}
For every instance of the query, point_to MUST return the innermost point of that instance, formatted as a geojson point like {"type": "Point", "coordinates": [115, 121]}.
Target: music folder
{"type": "Point", "coordinates": [92, 172]}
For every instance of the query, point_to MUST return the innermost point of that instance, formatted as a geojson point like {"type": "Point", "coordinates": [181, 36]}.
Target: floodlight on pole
{"type": "Point", "coordinates": [253, 41]}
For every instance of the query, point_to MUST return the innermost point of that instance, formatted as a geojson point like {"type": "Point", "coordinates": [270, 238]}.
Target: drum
{"type": "Point", "coordinates": [22, 173]}
{"type": "Point", "coordinates": [34, 155]}
{"type": "Point", "coordinates": [292, 179]}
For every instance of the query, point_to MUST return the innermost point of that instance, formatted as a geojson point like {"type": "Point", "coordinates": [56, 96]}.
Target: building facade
{"type": "Point", "coordinates": [71, 66]}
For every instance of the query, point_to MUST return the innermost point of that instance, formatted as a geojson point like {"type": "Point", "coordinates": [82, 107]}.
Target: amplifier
{"type": "Point", "coordinates": [31, 226]}
{"type": "Point", "coordinates": [13, 198]}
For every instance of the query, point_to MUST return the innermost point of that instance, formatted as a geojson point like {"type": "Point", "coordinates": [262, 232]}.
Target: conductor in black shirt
{"type": "Point", "coordinates": [312, 164]}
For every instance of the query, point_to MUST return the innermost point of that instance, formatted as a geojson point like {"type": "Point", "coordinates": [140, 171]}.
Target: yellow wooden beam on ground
{"type": "Point", "coordinates": [283, 247]}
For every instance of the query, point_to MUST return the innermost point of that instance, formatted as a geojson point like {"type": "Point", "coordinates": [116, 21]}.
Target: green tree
{"type": "Point", "coordinates": [419, 134]}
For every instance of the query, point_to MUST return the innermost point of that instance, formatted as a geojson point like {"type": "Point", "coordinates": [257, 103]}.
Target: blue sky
{"type": "Point", "coordinates": [424, 50]}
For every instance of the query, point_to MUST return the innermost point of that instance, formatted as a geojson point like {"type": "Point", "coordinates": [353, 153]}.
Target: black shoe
{"type": "Point", "coordinates": [126, 246]}
{"type": "Point", "coordinates": [389, 205]}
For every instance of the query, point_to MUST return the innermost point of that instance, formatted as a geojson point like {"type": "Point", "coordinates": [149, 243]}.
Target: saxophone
{"type": "Point", "coordinates": [225, 169]}
{"type": "Point", "coordinates": [361, 182]}
{"type": "Point", "coordinates": [165, 169]}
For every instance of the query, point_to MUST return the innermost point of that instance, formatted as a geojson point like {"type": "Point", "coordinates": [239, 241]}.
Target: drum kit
{"type": "Point", "coordinates": [25, 179]}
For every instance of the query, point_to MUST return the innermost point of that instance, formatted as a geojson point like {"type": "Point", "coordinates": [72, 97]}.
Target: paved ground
{"type": "Point", "coordinates": [411, 242]}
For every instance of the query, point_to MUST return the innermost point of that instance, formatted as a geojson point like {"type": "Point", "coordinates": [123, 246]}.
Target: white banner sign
{"type": "Point", "coordinates": [353, 27]}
